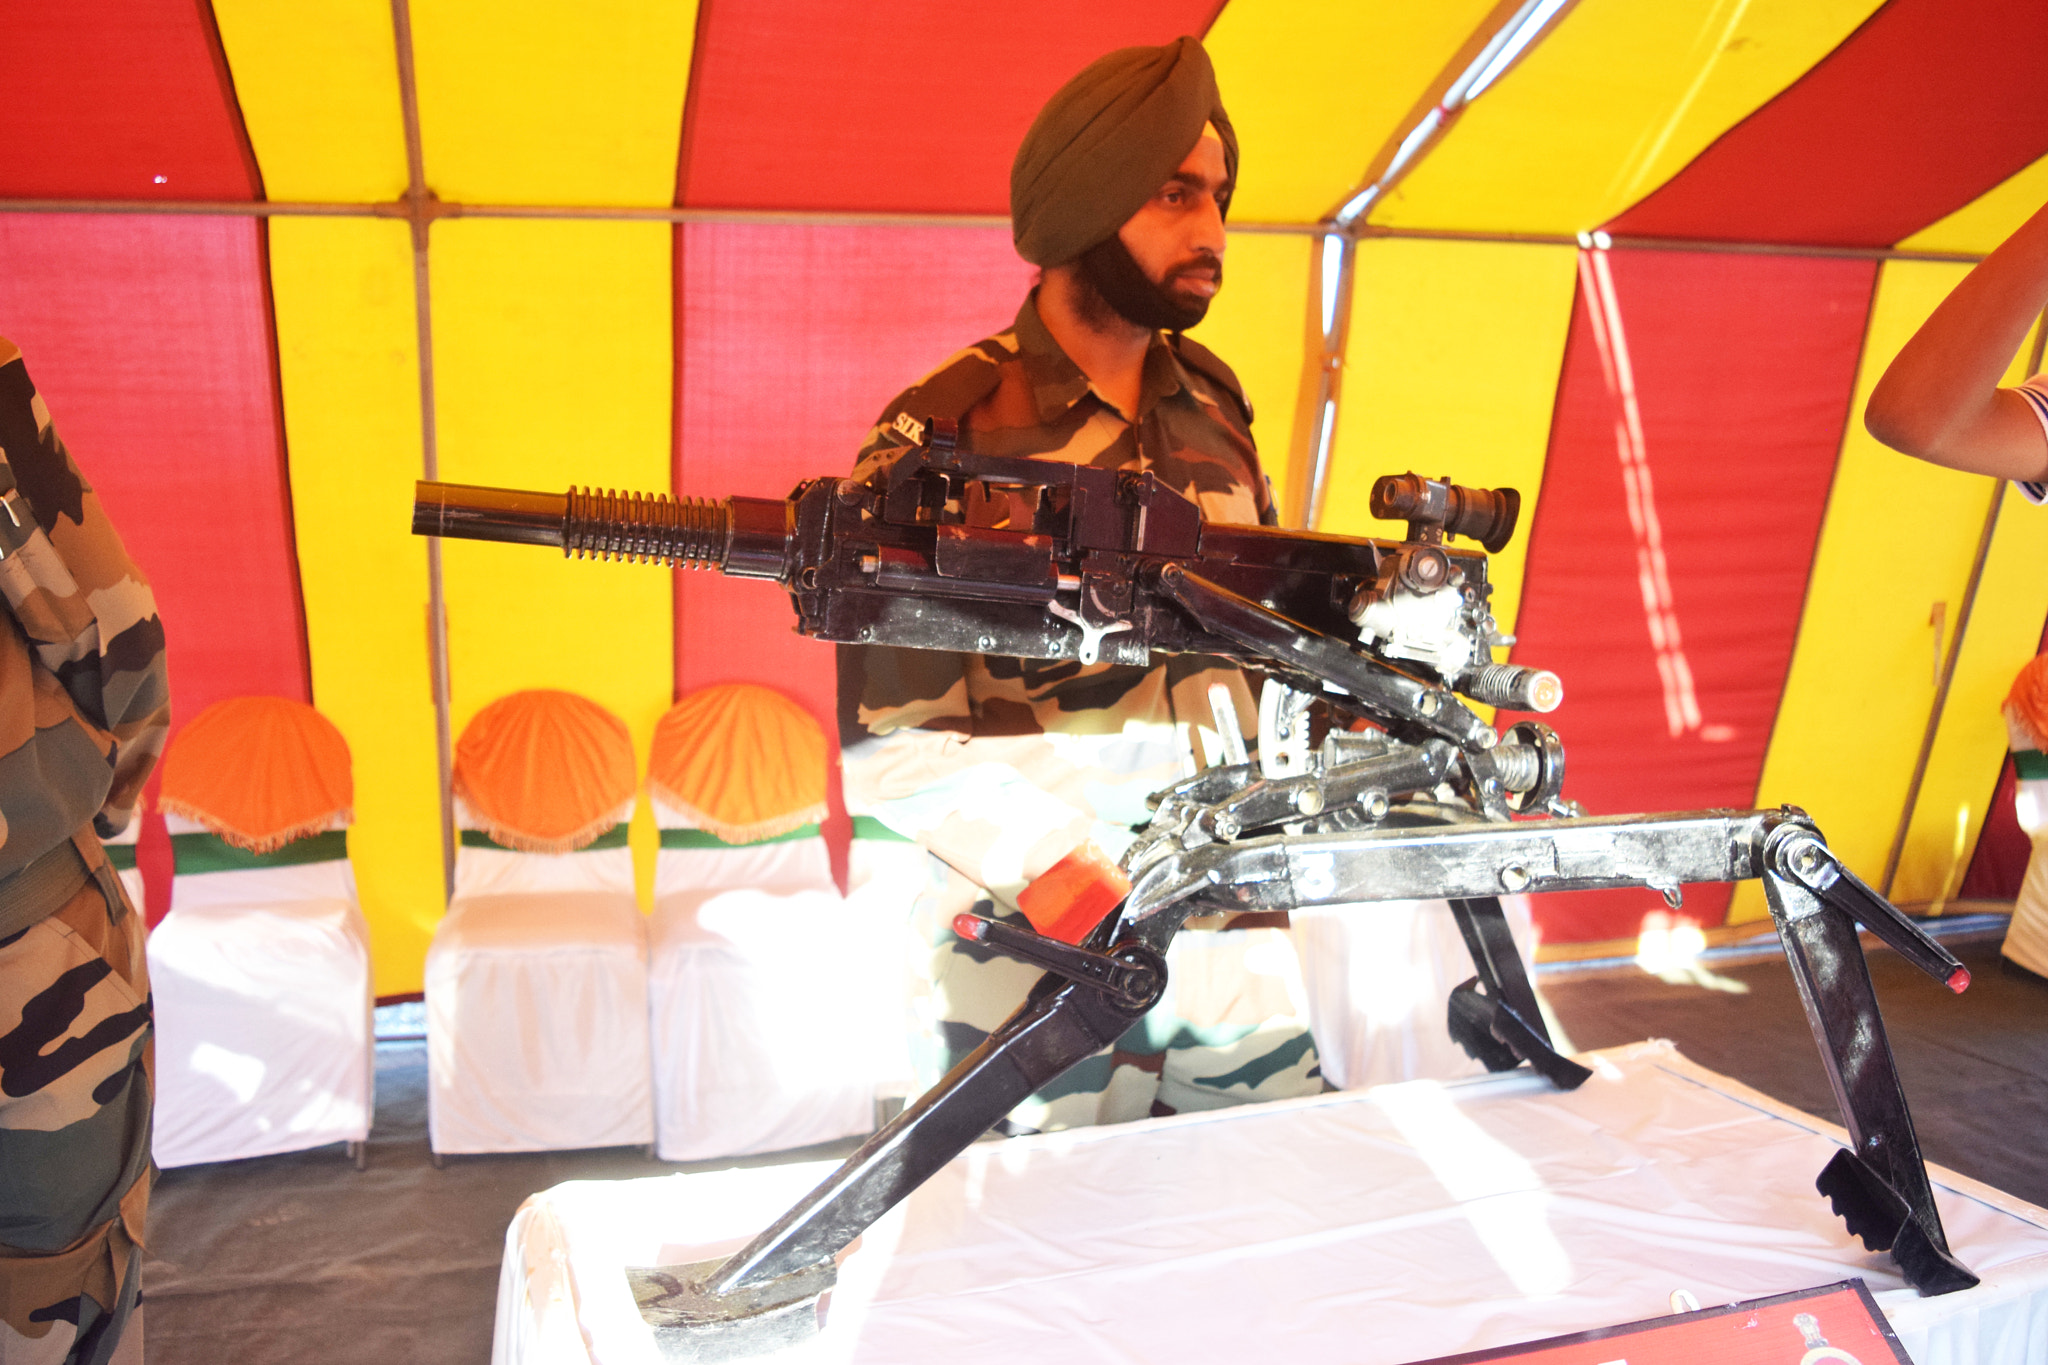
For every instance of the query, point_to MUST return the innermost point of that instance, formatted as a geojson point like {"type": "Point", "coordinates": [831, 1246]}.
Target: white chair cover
{"type": "Point", "coordinates": [2026, 939]}
{"type": "Point", "coordinates": [776, 1006]}
{"type": "Point", "coordinates": [261, 980]}
{"type": "Point", "coordinates": [799, 862]}
{"type": "Point", "coordinates": [536, 994]}
{"type": "Point", "coordinates": [777, 1017]}
{"type": "Point", "coordinates": [1379, 981]}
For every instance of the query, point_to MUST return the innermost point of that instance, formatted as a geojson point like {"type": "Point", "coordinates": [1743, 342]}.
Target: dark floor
{"type": "Point", "coordinates": [301, 1259]}
{"type": "Point", "coordinates": [1975, 1066]}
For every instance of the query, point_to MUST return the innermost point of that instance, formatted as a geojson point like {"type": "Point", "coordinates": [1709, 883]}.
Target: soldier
{"type": "Point", "coordinates": [1001, 767]}
{"type": "Point", "coordinates": [84, 706]}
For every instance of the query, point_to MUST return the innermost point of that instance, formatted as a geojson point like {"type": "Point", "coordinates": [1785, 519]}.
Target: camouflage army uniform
{"type": "Point", "coordinates": [1002, 766]}
{"type": "Point", "coordinates": [84, 706]}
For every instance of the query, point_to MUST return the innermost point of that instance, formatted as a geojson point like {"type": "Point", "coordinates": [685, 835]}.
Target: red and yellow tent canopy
{"type": "Point", "coordinates": [270, 264]}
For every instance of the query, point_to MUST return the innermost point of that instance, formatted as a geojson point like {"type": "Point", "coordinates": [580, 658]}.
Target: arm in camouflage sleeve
{"type": "Point", "coordinates": [85, 608]}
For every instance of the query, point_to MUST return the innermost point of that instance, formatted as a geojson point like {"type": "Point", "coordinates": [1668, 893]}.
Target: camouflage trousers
{"type": "Point", "coordinates": [1231, 1029]}
{"type": "Point", "coordinates": [75, 1089]}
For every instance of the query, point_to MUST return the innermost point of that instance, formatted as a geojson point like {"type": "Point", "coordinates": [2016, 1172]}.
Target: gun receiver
{"type": "Point", "coordinates": [1037, 559]}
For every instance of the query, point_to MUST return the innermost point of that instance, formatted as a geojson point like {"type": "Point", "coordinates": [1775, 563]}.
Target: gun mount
{"type": "Point", "coordinates": [945, 549]}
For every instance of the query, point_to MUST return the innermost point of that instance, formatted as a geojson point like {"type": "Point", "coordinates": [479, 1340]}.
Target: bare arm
{"type": "Point", "coordinates": [1940, 400]}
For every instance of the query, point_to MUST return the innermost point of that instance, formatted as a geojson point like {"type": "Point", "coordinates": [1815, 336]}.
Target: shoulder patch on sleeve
{"type": "Point", "coordinates": [950, 390]}
{"type": "Point", "coordinates": [1211, 367]}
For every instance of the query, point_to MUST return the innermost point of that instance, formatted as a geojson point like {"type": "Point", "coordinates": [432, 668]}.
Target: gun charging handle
{"type": "Point", "coordinates": [742, 537]}
{"type": "Point", "coordinates": [1130, 976]}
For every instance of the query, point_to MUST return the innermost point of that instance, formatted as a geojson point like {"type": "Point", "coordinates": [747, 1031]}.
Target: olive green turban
{"type": "Point", "coordinates": [1106, 142]}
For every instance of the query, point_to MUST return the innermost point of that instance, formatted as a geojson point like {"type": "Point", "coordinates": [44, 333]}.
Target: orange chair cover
{"type": "Point", "coordinates": [2027, 703]}
{"type": "Point", "coordinates": [739, 760]}
{"type": "Point", "coordinates": [259, 772]}
{"type": "Point", "coordinates": [545, 771]}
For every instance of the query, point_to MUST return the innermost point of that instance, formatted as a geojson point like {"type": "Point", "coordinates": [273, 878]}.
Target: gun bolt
{"type": "Point", "coordinates": [1069, 582]}
{"type": "Point", "coordinates": [871, 564]}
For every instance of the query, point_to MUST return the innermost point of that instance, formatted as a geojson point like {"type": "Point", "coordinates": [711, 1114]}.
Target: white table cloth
{"type": "Point", "coordinates": [1368, 1228]}
{"type": "Point", "coordinates": [536, 1004]}
{"type": "Point", "coordinates": [261, 980]}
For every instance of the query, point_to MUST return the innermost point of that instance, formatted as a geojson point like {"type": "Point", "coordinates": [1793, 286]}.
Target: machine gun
{"type": "Point", "coordinates": [945, 549]}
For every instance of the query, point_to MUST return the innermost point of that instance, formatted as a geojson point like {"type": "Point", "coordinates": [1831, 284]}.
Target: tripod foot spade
{"type": "Point", "coordinates": [1866, 1202]}
{"type": "Point", "coordinates": [696, 1324]}
{"type": "Point", "coordinates": [1492, 1033]}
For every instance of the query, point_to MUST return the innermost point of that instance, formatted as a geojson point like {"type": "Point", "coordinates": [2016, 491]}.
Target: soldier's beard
{"type": "Point", "coordinates": [1118, 282]}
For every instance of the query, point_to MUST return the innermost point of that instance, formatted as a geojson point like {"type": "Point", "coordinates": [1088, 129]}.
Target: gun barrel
{"type": "Point", "coordinates": [472, 513]}
{"type": "Point", "coordinates": [746, 537]}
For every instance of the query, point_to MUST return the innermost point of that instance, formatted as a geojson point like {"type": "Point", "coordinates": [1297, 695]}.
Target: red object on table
{"type": "Point", "coordinates": [1071, 897]}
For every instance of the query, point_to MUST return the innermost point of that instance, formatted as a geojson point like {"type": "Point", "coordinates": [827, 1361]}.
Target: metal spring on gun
{"type": "Point", "coordinates": [639, 527]}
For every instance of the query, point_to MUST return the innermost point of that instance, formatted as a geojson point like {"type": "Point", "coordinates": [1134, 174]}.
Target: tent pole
{"type": "Point", "coordinates": [285, 208]}
{"type": "Point", "coordinates": [1510, 30]}
{"type": "Point", "coordinates": [1948, 673]}
{"type": "Point", "coordinates": [1308, 463]}
{"type": "Point", "coordinates": [1955, 648]}
{"type": "Point", "coordinates": [421, 208]}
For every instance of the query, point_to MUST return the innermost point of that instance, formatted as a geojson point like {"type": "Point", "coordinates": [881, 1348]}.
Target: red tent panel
{"type": "Point", "coordinates": [1999, 866]}
{"type": "Point", "coordinates": [1926, 106]}
{"type": "Point", "coordinates": [792, 340]}
{"type": "Point", "coordinates": [121, 99]}
{"type": "Point", "coordinates": [1667, 570]}
{"type": "Point", "coordinates": [150, 338]}
{"type": "Point", "coordinates": [900, 105]}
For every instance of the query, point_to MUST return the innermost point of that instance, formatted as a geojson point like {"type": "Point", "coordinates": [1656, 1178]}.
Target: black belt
{"type": "Point", "coordinates": [39, 890]}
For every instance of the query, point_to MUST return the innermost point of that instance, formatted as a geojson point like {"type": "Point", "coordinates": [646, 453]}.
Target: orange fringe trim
{"type": "Point", "coordinates": [522, 841]}
{"type": "Point", "coordinates": [738, 834]}
{"type": "Point", "coordinates": [2027, 703]}
{"type": "Point", "coordinates": [255, 843]}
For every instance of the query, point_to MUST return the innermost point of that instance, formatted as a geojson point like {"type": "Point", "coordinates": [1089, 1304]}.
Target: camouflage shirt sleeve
{"type": "Point", "coordinates": [83, 615]}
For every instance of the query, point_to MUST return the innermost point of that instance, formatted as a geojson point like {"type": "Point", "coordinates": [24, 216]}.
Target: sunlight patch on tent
{"type": "Point", "coordinates": [1660, 615]}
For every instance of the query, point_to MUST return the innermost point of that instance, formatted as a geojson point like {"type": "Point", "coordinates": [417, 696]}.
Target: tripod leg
{"type": "Point", "coordinates": [1494, 1016]}
{"type": "Point", "coordinates": [764, 1296]}
{"type": "Point", "coordinates": [1879, 1186]}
